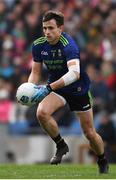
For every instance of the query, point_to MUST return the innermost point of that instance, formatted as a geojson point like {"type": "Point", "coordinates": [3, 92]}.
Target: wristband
{"type": "Point", "coordinates": [49, 88]}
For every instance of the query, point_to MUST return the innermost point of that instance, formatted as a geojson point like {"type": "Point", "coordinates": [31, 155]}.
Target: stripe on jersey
{"type": "Point", "coordinates": [90, 97]}
{"type": "Point", "coordinates": [63, 40]}
{"type": "Point", "coordinates": [39, 40]}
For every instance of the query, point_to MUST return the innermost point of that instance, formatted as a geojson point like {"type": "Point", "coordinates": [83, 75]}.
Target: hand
{"type": "Point", "coordinates": [42, 92]}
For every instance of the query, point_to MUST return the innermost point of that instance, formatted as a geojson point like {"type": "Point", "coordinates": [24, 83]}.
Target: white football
{"type": "Point", "coordinates": [25, 92]}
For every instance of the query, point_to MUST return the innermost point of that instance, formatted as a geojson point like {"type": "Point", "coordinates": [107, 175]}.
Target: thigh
{"type": "Point", "coordinates": [51, 103]}
{"type": "Point", "coordinates": [86, 119]}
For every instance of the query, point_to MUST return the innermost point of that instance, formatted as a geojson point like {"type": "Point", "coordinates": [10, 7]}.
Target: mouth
{"type": "Point", "coordinates": [48, 37]}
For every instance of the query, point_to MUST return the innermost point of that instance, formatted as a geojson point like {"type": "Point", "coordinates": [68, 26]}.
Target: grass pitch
{"type": "Point", "coordinates": [45, 171]}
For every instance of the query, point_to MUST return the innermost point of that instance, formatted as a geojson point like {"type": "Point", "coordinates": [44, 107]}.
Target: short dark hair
{"type": "Point", "coordinates": [58, 16]}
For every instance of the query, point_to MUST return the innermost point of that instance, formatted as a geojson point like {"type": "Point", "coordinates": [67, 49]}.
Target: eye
{"type": "Point", "coordinates": [50, 28]}
{"type": "Point", "coordinates": [44, 28]}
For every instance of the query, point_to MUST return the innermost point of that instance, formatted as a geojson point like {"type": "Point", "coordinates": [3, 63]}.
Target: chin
{"type": "Point", "coordinates": [50, 41]}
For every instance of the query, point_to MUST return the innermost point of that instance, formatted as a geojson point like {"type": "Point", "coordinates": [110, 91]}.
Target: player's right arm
{"type": "Point", "coordinates": [35, 74]}
{"type": "Point", "coordinates": [36, 69]}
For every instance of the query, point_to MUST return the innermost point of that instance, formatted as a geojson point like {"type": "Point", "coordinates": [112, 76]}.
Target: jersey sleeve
{"type": "Point", "coordinates": [72, 52]}
{"type": "Point", "coordinates": [36, 53]}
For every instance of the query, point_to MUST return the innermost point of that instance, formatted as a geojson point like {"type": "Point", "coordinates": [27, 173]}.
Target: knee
{"type": "Point", "coordinates": [90, 134]}
{"type": "Point", "coordinates": [42, 114]}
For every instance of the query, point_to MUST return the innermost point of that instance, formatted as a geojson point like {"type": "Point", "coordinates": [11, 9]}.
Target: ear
{"type": "Point", "coordinates": [61, 28]}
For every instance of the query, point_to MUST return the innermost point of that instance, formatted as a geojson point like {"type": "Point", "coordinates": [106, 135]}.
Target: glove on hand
{"type": "Point", "coordinates": [42, 92]}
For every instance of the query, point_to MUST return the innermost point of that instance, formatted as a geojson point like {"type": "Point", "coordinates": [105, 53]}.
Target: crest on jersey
{"type": "Point", "coordinates": [44, 53]}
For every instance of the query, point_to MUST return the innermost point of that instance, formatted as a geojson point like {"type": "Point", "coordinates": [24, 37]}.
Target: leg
{"type": "Point", "coordinates": [50, 104]}
{"type": "Point", "coordinates": [45, 109]}
{"type": "Point", "coordinates": [86, 121]}
{"type": "Point", "coordinates": [95, 141]}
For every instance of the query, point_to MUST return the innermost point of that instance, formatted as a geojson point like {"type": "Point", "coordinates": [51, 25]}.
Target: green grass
{"type": "Point", "coordinates": [45, 171]}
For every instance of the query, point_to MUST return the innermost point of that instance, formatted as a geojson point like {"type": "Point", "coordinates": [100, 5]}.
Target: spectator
{"type": "Point", "coordinates": [107, 131]}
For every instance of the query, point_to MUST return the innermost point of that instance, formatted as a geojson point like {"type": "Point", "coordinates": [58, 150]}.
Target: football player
{"type": "Point", "coordinates": [67, 83]}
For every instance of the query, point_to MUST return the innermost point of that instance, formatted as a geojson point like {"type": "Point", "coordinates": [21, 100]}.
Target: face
{"type": "Point", "coordinates": [51, 31]}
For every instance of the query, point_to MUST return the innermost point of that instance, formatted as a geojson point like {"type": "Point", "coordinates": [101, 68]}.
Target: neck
{"type": "Point", "coordinates": [55, 41]}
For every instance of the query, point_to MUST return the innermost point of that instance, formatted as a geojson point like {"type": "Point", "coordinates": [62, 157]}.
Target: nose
{"type": "Point", "coordinates": [47, 31]}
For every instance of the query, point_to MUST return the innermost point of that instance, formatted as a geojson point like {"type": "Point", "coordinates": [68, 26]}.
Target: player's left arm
{"type": "Point", "coordinates": [71, 76]}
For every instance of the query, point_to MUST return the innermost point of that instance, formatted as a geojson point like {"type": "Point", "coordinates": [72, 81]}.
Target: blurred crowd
{"type": "Point", "coordinates": [92, 24]}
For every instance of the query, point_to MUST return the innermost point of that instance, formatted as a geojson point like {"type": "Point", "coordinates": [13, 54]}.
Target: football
{"type": "Point", "coordinates": [25, 92]}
